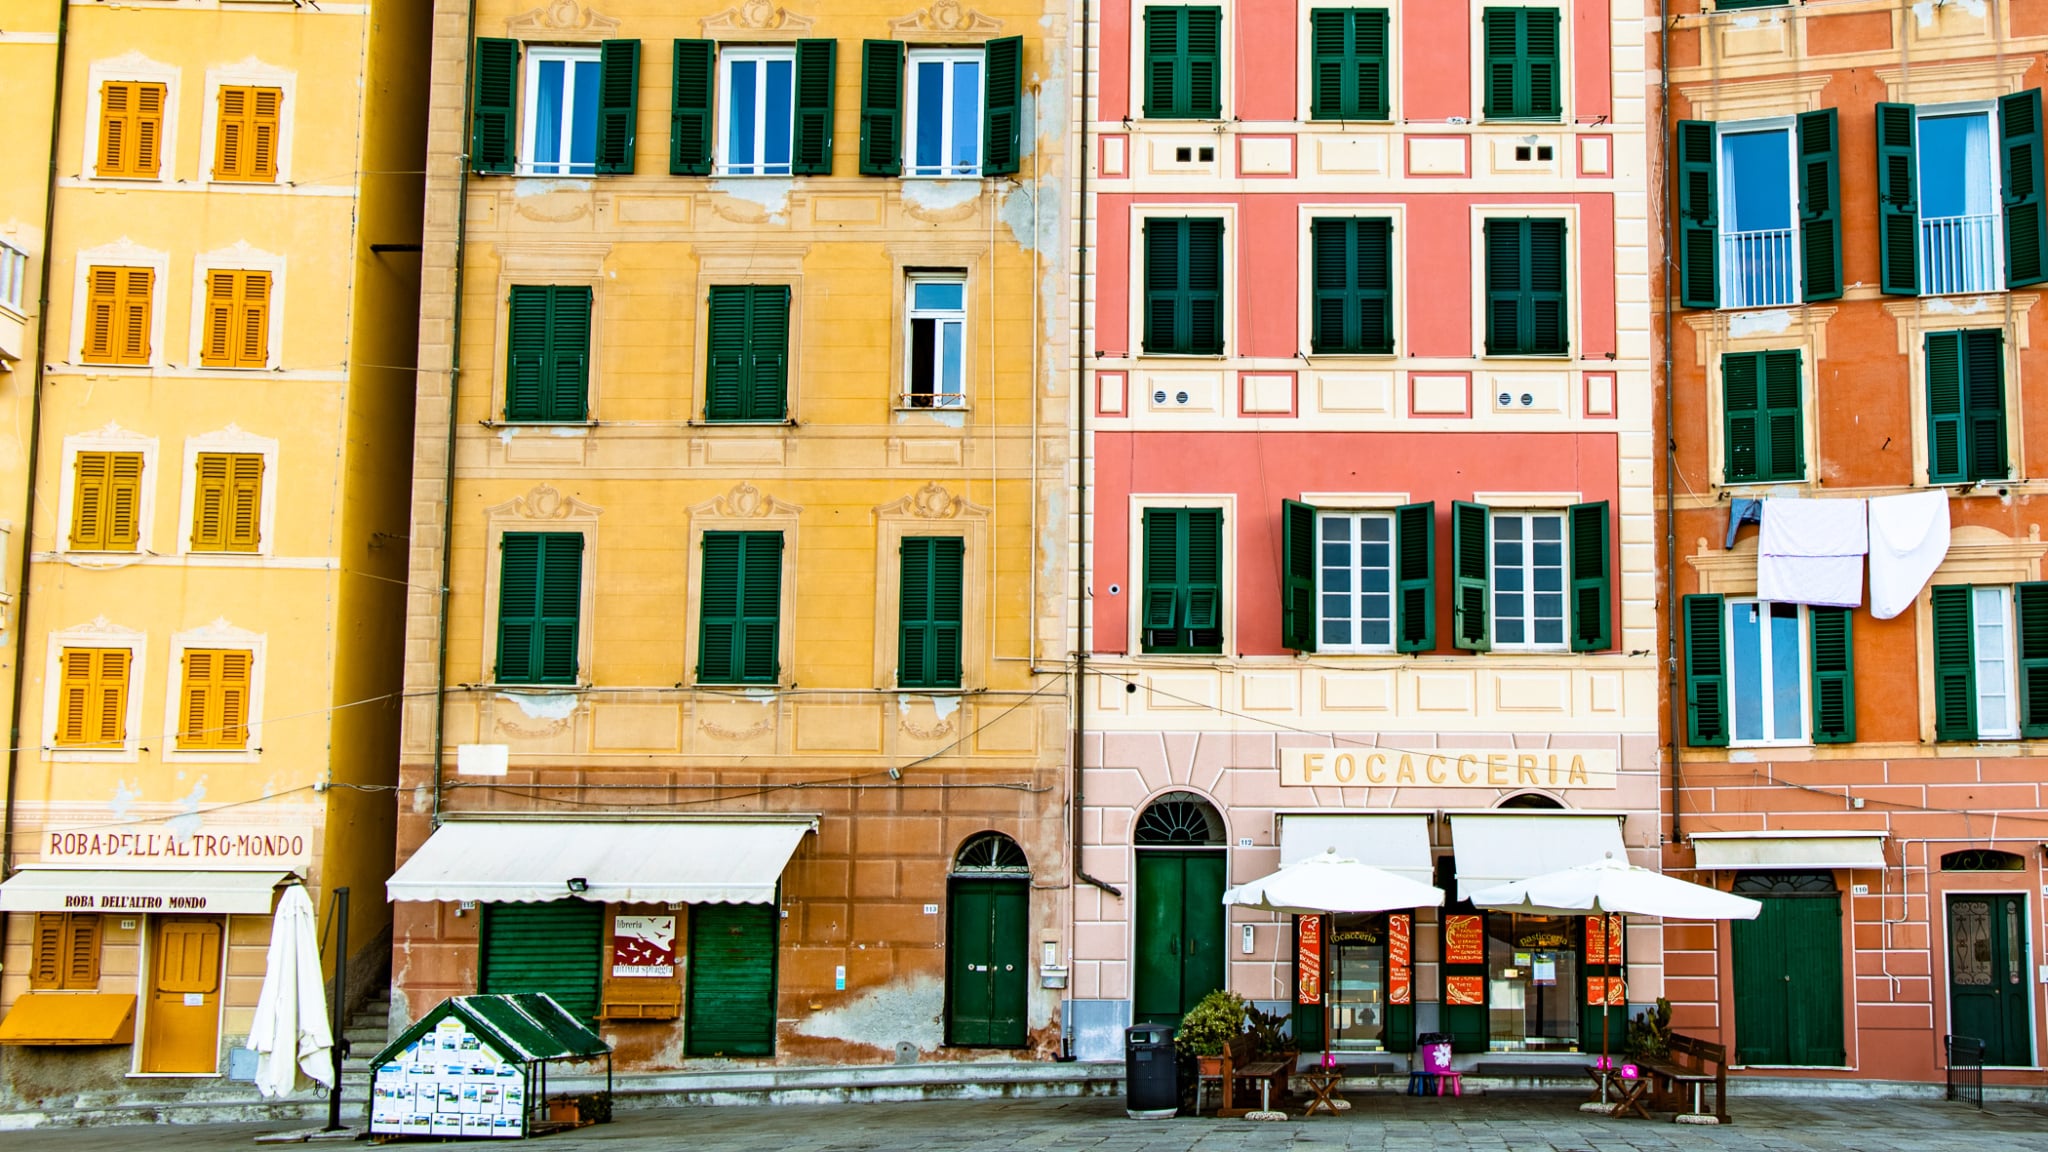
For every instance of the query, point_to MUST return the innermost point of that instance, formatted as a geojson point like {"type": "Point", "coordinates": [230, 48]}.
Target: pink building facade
{"type": "Point", "coordinates": [1368, 531]}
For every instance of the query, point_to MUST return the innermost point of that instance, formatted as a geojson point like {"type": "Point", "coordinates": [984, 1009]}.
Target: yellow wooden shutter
{"type": "Point", "coordinates": [264, 111]}
{"type": "Point", "coordinates": [134, 316]}
{"type": "Point", "coordinates": [46, 961]}
{"type": "Point", "coordinates": [89, 501]}
{"type": "Point", "coordinates": [237, 320]}
{"type": "Point", "coordinates": [221, 290]}
{"type": "Point", "coordinates": [106, 501]}
{"type": "Point", "coordinates": [110, 698]}
{"type": "Point", "coordinates": [215, 704]}
{"type": "Point", "coordinates": [245, 503]}
{"type": "Point", "coordinates": [117, 104]}
{"type": "Point", "coordinates": [209, 503]}
{"type": "Point", "coordinates": [232, 731]}
{"type": "Point", "coordinates": [228, 152]}
{"type": "Point", "coordinates": [81, 951]}
{"type": "Point", "coordinates": [149, 128]}
{"type": "Point", "coordinates": [245, 141]}
{"type": "Point", "coordinates": [118, 315]}
{"type": "Point", "coordinates": [102, 298]}
{"type": "Point", "coordinates": [124, 501]}
{"type": "Point", "coordinates": [131, 128]}
{"type": "Point", "coordinates": [93, 698]}
{"type": "Point", "coordinates": [227, 502]}
{"type": "Point", "coordinates": [252, 347]}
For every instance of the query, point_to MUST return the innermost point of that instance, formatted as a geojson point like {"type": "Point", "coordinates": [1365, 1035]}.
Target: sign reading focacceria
{"type": "Point", "coordinates": [1549, 768]}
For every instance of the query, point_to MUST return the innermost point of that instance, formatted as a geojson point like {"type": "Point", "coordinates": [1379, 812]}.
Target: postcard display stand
{"type": "Point", "coordinates": [477, 1066]}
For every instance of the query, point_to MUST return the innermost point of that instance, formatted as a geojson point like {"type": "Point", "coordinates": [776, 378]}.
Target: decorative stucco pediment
{"type": "Point", "coordinates": [544, 502]}
{"type": "Point", "coordinates": [755, 16]}
{"type": "Point", "coordinates": [945, 18]}
{"type": "Point", "coordinates": [931, 502]}
{"type": "Point", "coordinates": [746, 502]}
{"type": "Point", "coordinates": [562, 20]}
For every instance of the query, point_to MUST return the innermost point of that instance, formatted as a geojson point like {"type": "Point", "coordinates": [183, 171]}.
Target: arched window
{"type": "Point", "coordinates": [1983, 860]}
{"type": "Point", "coordinates": [1179, 818]}
{"type": "Point", "coordinates": [990, 854]}
{"type": "Point", "coordinates": [1529, 800]}
{"type": "Point", "coordinates": [1785, 884]}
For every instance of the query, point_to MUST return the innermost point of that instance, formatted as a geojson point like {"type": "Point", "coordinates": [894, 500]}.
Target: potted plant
{"type": "Point", "coordinates": [1271, 1041]}
{"type": "Point", "coordinates": [1212, 1023]}
{"type": "Point", "coordinates": [1649, 1032]}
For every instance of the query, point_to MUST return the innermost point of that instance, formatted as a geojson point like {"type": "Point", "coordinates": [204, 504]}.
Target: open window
{"type": "Point", "coordinates": [1990, 661]}
{"type": "Point", "coordinates": [937, 336]}
{"type": "Point", "coordinates": [1358, 581]}
{"type": "Point", "coordinates": [1762, 673]}
{"type": "Point", "coordinates": [1960, 196]}
{"type": "Point", "coordinates": [1538, 580]}
{"type": "Point", "coordinates": [1759, 211]}
{"type": "Point", "coordinates": [554, 110]}
{"type": "Point", "coordinates": [944, 113]}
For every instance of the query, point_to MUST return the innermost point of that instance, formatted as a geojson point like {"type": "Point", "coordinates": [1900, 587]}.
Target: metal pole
{"type": "Point", "coordinates": [339, 1051]}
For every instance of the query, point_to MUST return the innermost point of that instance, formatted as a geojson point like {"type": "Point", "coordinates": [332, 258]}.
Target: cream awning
{"type": "Point", "coordinates": [1725, 851]}
{"type": "Point", "coordinates": [1393, 842]}
{"type": "Point", "coordinates": [36, 889]}
{"type": "Point", "coordinates": [1501, 847]}
{"type": "Point", "coordinates": [668, 862]}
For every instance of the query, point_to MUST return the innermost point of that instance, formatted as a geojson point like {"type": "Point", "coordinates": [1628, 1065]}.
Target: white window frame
{"type": "Point", "coordinates": [233, 440]}
{"type": "Point", "coordinates": [1724, 266]}
{"type": "Point", "coordinates": [1493, 589]}
{"type": "Point", "coordinates": [131, 66]}
{"type": "Point", "coordinates": [1356, 515]}
{"type": "Point", "coordinates": [948, 129]}
{"type": "Point", "coordinates": [249, 74]}
{"type": "Point", "coordinates": [13, 278]}
{"type": "Point", "coordinates": [2006, 652]}
{"type": "Point", "coordinates": [222, 635]}
{"type": "Point", "coordinates": [1995, 246]}
{"type": "Point", "coordinates": [727, 57]}
{"type": "Point", "coordinates": [239, 258]}
{"type": "Point", "coordinates": [112, 438]}
{"type": "Point", "coordinates": [100, 633]}
{"type": "Point", "coordinates": [1804, 663]}
{"type": "Point", "coordinates": [529, 111]}
{"type": "Point", "coordinates": [941, 400]}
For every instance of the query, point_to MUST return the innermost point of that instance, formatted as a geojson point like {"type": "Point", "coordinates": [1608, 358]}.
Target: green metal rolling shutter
{"type": "Point", "coordinates": [731, 1008]}
{"type": "Point", "coordinates": [556, 948]}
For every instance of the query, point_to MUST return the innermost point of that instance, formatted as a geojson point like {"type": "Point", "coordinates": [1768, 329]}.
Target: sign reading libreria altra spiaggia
{"type": "Point", "coordinates": [1547, 768]}
{"type": "Point", "coordinates": [236, 848]}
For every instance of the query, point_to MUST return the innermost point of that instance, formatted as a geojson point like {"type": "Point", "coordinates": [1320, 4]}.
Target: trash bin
{"type": "Point", "coordinates": [1151, 1077]}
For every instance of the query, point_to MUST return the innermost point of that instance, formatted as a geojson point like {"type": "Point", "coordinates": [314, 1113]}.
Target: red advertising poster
{"type": "Point", "coordinates": [1603, 939]}
{"type": "Point", "coordinates": [1465, 990]}
{"type": "Point", "coordinates": [1400, 976]}
{"type": "Point", "coordinates": [1614, 987]}
{"type": "Point", "coordinates": [1465, 940]}
{"type": "Point", "coordinates": [1308, 960]}
{"type": "Point", "coordinates": [643, 946]}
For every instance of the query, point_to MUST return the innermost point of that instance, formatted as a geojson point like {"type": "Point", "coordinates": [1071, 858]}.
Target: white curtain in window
{"type": "Point", "coordinates": [1977, 166]}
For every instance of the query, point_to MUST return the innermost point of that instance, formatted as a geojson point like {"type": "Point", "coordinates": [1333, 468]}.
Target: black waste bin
{"type": "Point", "coordinates": [1151, 1078]}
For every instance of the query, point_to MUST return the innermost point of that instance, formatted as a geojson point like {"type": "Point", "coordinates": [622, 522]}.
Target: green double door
{"type": "Point", "coordinates": [1180, 933]}
{"type": "Point", "coordinates": [1987, 975]}
{"type": "Point", "coordinates": [1788, 982]}
{"type": "Point", "coordinates": [987, 957]}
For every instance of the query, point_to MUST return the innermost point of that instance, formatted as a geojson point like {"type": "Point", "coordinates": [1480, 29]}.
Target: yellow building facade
{"type": "Point", "coordinates": [741, 439]}
{"type": "Point", "coordinates": [207, 467]}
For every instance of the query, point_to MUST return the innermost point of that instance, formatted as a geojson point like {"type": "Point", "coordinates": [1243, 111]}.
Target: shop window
{"type": "Point", "coordinates": [1348, 62]}
{"type": "Point", "coordinates": [67, 952]}
{"type": "Point", "coordinates": [1526, 299]}
{"type": "Point", "coordinates": [1960, 196]}
{"type": "Point", "coordinates": [1183, 75]}
{"type": "Point", "coordinates": [1990, 661]}
{"type": "Point", "coordinates": [577, 117]}
{"type": "Point", "coordinates": [1759, 211]}
{"type": "Point", "coordinates": [937, 351]}
{"type": "Point", "coordinates": [1522, 66]}
{"type": "Point", "coordinates": [1358, 581]}
{"type": "Point", "coordinates": [1966, 406]}
{"type": "Point", "coordinates": [1531, 581]}
{"type": "Point", "coordinates": [1182, 607]}
{"type": "Point", "coordinates": [1763, 673]}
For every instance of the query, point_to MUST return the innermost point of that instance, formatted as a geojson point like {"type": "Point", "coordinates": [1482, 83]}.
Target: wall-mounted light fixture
{"type": "Point", "coordinates": [578, 885]}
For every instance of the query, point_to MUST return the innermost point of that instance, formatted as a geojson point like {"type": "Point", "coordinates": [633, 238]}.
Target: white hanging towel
{"type": "Point", "coordinates": [1908, 540]}
{"type": "Point", "coordinates": [289, 1034]}
{"type": "Point", "coordinates": [1811, 552]}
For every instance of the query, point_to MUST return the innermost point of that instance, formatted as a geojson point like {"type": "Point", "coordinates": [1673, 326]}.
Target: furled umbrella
{"type": "Point", "coordinates": [290, 1030]}
{"type": "Point", "coordinates": [1610, 887]}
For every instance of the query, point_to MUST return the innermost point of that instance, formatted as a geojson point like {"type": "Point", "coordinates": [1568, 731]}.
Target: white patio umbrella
{"type": "Point", "coordinates": [290, 1030]}
{"type": "Point", "coordinates": [1610, 887]}
{"type": "Point", "coordinates": [1329, 883]}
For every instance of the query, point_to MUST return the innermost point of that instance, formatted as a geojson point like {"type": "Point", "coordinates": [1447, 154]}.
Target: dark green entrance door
{"type": "Point", "coordinates": [1788, 972]}
{"type": "Point", "coordinates": [1987, 975]}
{"type": "Point", "coordinates": [1180, 933]}
{"type": "Point", "coordinates": [987, 954]}
{"type": "Point", "coordinates": [731, 1009]}
{"type": "Point", "coordinates": [556, 948]}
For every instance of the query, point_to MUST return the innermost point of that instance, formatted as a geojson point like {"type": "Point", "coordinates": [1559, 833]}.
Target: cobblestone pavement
{"type": "Point", "coordinates": [1500, 1123]}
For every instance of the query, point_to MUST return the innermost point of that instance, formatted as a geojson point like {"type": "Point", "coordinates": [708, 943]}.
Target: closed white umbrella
{"type": "Point", "coordinates": [1327, 882]}
{"type": "Point", "coordinates": [290, 1031]}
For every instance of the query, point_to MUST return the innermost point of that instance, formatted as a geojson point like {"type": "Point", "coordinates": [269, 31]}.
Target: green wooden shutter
{"type": "Point", "coordinates": [1820, 222]}
{"type": "Point", "coordinates": [2030, 613]}
{"type": "Point", "coordinates": [1706, 671]}
{"type": "Point", "coordinates": [1763, 421]}
{"type": "Point", "coordinates": [2026, 229]}
{"type": "Point", "coordinates": [817, 72]}
{"type": "Point", "coordinates": [1955, 673]}
{"type": "Point", "coordinates": [1548, 323]}
{"type": "Point", "coordinates": [1183, 63]}
{"type": "Point", "coordinates": [1160, 608]}
{"type": "Point", "coordinates": [1699, 215]}
{"type": "Point", "coordinates": [1983, 362]}
{"type": "Point", "coordinates": [1592, 578]}
{"type": "Point", "coordinates": [1415, 578]}
{"type": "Point", "coordinates": [1470, 582]}
{"type": "Point", "coordinates": [1898, 196]}
{"type": "Point", "coordinates": [718, 606]}
{"type": "Point", "coordinates": [518, 605]}
{"type": "Point", "coordinates": [1002, 135]}
{"type": "Point", "coordinates": [1203, 606]}
{"type": "Point", "coordinates": [1742, 402]}
{"type": "Point", "coordinates": [558, 948]}
{"type": "Point", "coordinates": [526, 351]}
{"type": "Point", "coordinates": [747, 358]}
{"type": "Point", "coordinates": [540, 606]}
{"type": "Point", "coordinates": [618, 105]}
{"type": "Point", "coordinates": [1832, 650]}
{"type": "Point", "coordinates": [881, 107]}
{"type": "Point", "coordinates": [1184, 286]}
{"type": "Point", "coordinates": [494, 108]}
{"type": "Point", "coordinates": [1183, 580]}
{"type": "Point", "coordinates": [1298, 615]}
{"type": "Point", "coordinates": [567, 389]}
{"type": "Point", "coordinates": [1353, 294]}
{"type": "Point", "coordinates": [689, 132]}
{"type": "Point", "coordinates": [730, 1009]}
{"type": "Point", "coordinates": [1162, 59]}
{"type": "Point", "coordinates": [1348, 62]}
{"type": "Point", "coordinates": [1525, 288]}
{"type": "Point", "coordinates": [1945, 454]}
{"type": "Point", "coordinates": [1504, 285]}
{"type": "Point", "coordinates": [929, 603]}
{"type": "Point", "coordinates": [1522, 76]}
{"type": "Point", "coordinates": [740, 608]}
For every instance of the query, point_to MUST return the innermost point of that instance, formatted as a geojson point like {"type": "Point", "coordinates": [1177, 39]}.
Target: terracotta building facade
{"type": "Point", "coordinates": [1369, 564]}
{"type": "Point", "coordinates": [1855, 214]}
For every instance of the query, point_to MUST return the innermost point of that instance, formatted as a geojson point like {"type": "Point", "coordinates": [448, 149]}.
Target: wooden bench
{"type": "Point", "coordinates": [1689, 1065]}
{"type": "Point", "coordinates": [1242, 1069]}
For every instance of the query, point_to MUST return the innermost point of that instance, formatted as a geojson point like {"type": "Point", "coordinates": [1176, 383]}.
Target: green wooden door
{"type": "Point", "coordinates": [731, 1008]}
{"type": "Point", "coordinates": [1987, 975]}
{"type": "Point", "coordinates": [556, 948]}
{"type": "Point", "coordinates": [986, 942]}
{"type": "Point", "coordinates": [1180, 933]}
{"type": "Point", "coordinates": [1788, 983]}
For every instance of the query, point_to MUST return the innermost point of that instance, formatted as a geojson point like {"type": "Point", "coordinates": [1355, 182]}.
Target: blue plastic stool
{"type": "Point", "coordinates": [1421, 1083]}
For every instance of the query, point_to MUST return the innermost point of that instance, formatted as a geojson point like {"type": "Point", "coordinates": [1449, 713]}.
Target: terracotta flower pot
{"type": "Point", "coordinates": [1209, 1065]}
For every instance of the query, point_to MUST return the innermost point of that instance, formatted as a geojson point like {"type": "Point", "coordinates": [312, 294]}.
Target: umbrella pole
{"type": "Point", "coordinates": [1606, 997]}
{"type": "Point", "coordinates": [1330, 956]}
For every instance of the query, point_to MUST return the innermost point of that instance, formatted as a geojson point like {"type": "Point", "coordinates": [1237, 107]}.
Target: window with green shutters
{"type": "Point", "coordinates": [1759, 211]}
{"type": "Point", "coordinates": [1832, 650]}
{"type": "Point", "coordinates": [1523, 75]}
{"type": "Point", "coordinates": [1966, 406]}
{"type": "Point", "coordinates": [566, 139]}
{"type": "Point", "coordinates": [740, 602]}
{"type": "Point", "coordinates": [1358, 581]}
{"type": "Point", "coordinates": [1181, 609]}
{"type": "Point", "coordinates": [1756, 673]}
{"type": "Point", "coordinates": [540, 606]}
{"type": "Point", "coordinates": [1761, 402]}
{"type": "Point", "coordinates": [1184, 286]}
{"type": "Point", "coordinates": [929, 618]}
{"type": "Point", "coordinates": [1353, 286]}
{"type": "Point", "coordinates": [547, 341]}
{"type": "Point", "coordinates": [1948, 176]}
{"type": "Point", "coordinates": [1348, 64]}
{"type": "Point", "coordinates": [1990, 661]}
{"type": "Point", "coordinates": [747, 364]}
{"type": "Point", "coordinates": [1525, 288]}
{"type": "Point", "coordinates": [1532, 580]}
{"type": "Point", "coordinates": [966, 118]}
{"type": "Point", "coordinates": [1706, 672]}
{"type": "Point", "coordinates": [1183, 63]}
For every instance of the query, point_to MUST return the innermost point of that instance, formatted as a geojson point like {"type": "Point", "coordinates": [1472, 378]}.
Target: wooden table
{"type": "Point", "coordinates": [1634, 1096]}
{"type": "Point", "coordinates": [1322, 1085]}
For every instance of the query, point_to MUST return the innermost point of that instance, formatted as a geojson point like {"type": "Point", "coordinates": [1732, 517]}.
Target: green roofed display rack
{"type": "Point", "coordinates": [478, 1066]}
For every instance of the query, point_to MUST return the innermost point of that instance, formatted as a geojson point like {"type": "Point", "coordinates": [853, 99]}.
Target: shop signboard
{"type": "Point", "coordinates": [202, 848]}
{"type": "Point", "coordinates": [1547, 768]}
{"type": "Point", "coordinates": [643, 946]}
{"type": "Point", "coordinates": [448, 1082]}
{"type": "Point", "coordinates": [1308, 963]}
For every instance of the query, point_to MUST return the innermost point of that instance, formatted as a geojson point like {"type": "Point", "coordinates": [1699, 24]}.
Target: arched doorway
{"type": "Point", "coordinates": [1179, 841]}
{"type": "Point", "coordinates": [988, 948]}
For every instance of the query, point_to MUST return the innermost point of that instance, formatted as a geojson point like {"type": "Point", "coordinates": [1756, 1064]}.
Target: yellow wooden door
{"type": "Point", "coordinates": [182, 1033]}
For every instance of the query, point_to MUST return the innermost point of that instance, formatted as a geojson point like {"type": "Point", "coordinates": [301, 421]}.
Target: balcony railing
{"type": "Point", "coordinates": [1760, 269]}
{"type": "Point", "coordinates": [1959, 254]}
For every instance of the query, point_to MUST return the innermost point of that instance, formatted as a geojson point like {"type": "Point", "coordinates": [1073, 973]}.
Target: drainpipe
{"type": "Point", "coordinates": [454, 378]}
{"type": "Point", "coordinates": [35, 443]}
{"type": "Point", "coordinates": [1672, 686]}
{"type": "Point", "coordinates": [1081, 468]}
